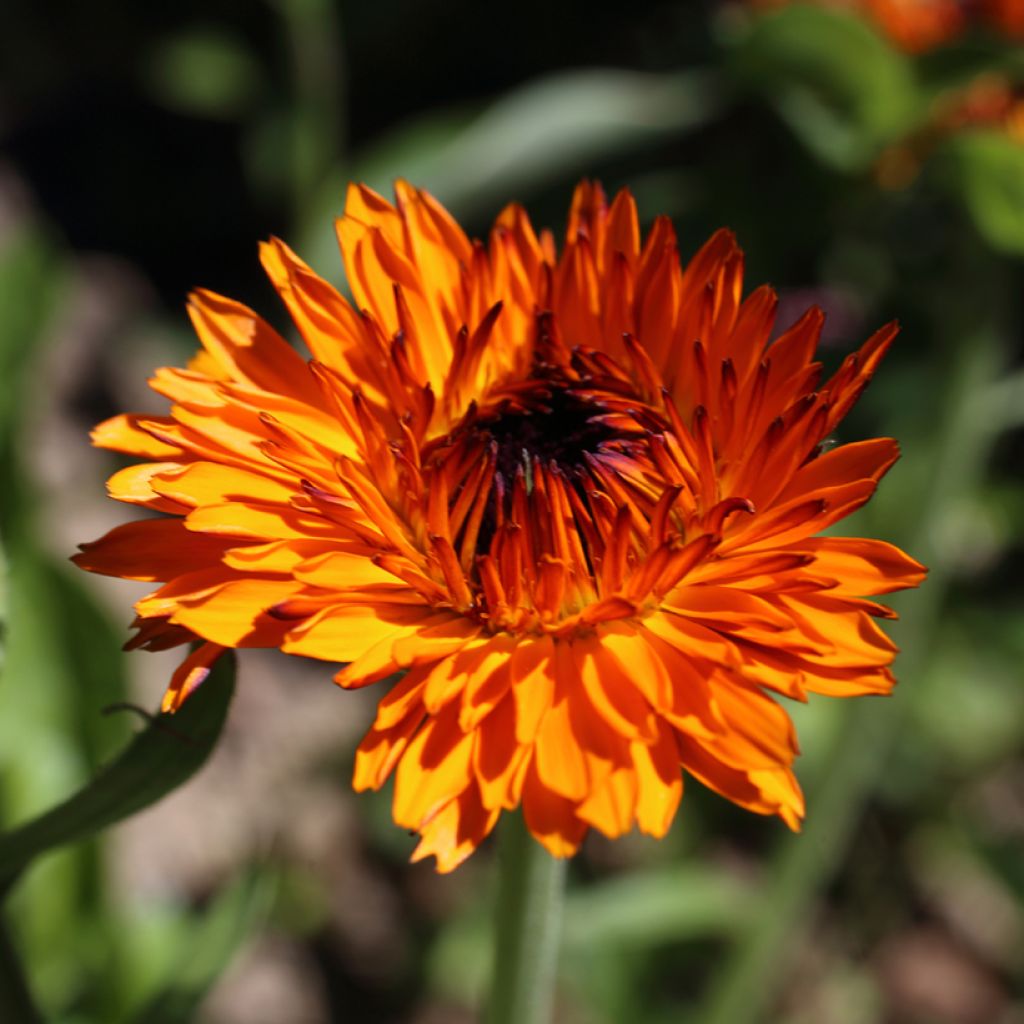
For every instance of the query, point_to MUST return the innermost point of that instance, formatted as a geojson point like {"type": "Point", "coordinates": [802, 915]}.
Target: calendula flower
{"type": "Point", "coordinates": [572, 496]}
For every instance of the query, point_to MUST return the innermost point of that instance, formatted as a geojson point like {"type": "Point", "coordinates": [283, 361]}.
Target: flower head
{"type": "Point", "coordinates": [572, 496]}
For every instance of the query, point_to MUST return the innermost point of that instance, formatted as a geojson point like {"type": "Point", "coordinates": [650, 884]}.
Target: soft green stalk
{"type": "Point", "coordinates": [529, 924]}
{"type": "Point", "coordinates": [316, 111]}
{"type": "Point", "coordinates": [16, 1002]}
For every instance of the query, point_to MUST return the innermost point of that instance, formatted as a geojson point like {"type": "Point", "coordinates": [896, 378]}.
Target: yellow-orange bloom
{"type": "Point", "coordinates": [574, 497]}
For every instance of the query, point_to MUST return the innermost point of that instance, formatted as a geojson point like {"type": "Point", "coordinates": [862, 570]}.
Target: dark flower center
{"type": "Point", "coordinates": [555, 426]}
{"type": "Point", "coordinates": [542, 422]}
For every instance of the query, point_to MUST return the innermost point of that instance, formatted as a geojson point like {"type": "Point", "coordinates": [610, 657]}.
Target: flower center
{"type": "Point", "coordinates": [543, 426]}
{"type": "Point", "coordinates": [554, 426]}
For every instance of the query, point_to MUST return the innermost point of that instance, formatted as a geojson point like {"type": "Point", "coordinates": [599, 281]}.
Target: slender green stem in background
{"type": "Point", "coordinates": [1002, 404]}
{"type": "Point", "coordinates": [316, 117]}
{"type": "Point", "coordinates": [750, 977]}
{"type": "Point", "coordinates": [529, 924]}
{"type": "Point", "coordinates": [15, 998]}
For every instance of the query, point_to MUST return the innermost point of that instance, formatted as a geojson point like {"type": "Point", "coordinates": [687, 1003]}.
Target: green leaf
{"type": "Point", "coordinates": [988, 171]}
{"type": "Point", "coordinates": [843, 89]}
{"type": "Point", "coordinates": [204, 72]}
{"type": "Point", "coordinates": [548, 128]}
{"type": "Point", "coordinates": [646, 909]}
{"type": "Point", "coordinates": [633, 913]}
{"type": "Point", "coordinates": [160, 758]}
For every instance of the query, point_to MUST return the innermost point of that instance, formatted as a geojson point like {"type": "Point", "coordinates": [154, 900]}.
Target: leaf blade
{"type": "Point", "coordinates": [158, 760]}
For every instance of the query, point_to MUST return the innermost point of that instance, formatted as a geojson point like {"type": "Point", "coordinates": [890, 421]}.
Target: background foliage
{"type": "Point", "coordinates": [145, 151]}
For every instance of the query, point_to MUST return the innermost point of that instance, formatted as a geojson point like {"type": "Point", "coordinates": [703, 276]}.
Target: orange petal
{"type": "Point", "coordinates": [124, 434]}
{"type": "Point", "coordinates": [862, 567]}
{"type": "Point", "coordinates": [343, 632]}
{"type": "Point", "coordinates": [252, 521]}
{"type": "Point", "coordinates": [379, 750]}
{"type": "Point", "coordinates": [659, 783]}
{"type": "Point", "coordinates": [236, 613]}
{"type": "Point", "coordinates": [150, 549]}
{"type": "Point", "coordinates": [436, 768]}
{"type": "Point", "coordinates": [499, 761]}
{"type": "Point", "coordinates": [611, 806]}
{"type": "Point", "coordinates": [190, 675]}
{"type": "Point", "coordinates": [559, 761]}
{"type": "Point", "coordinates": [248, 349]}
{"type": "Point", "coordinates": [208, 483]}
{"type": "Point", "coordinates": [758, 733]}
{"type": "Point", "coordinates": [612, 691]}
{"type": "Point", "coordinates": [550, 817]}
{"type": "Point", "coordinates": [133, 485]}
{"type": "Point", "coordinates": [455, 831]}
{"type": "Point", "coordinates": [763, 792]}
{"type": "Point", "coordinates": [533, 683]}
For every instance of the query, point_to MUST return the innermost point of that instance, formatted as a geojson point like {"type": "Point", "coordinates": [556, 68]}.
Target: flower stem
{"type": "Point", "coordinates": [15, 998]}
{"type": "Point", "coordinates": [529, 919]}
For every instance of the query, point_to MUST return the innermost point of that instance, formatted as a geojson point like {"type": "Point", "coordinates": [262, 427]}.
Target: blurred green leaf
{"type": "Point", "coordinates": [36, 760]}
{"type": "Point", "coordinates": [988, 170]}
{"type": "Point", "coordinates": [204, 72]}
{"type": "Point", "coordinates": [211, 945]}
{"type": "Point", "coordinates": [655, 906]}
{"type": "Point", "coordinates": [1003, 403]}
{"type": "Point", "coordinates": [30, 282]}
{"type": "Point", "coordinates": [631, 913]}
{"type": "Point", "coordinates": [843, 89]}
{"type": "Point", "coordinates": [550, 127]}
{"type": "Point", "coordinates": [163, 756]}
{"type": "Point", "coordinates": [965, 728]}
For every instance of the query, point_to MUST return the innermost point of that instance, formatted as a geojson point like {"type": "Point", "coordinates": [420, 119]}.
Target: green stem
{"type": "Point", "coordinates": [316, 115]}
{"type": "Point", "coordinates": [529, 920]}
{"type": "Point", "coordinates": [806, 862]}
{"type": "Point", "coordinates": [16, 1002]}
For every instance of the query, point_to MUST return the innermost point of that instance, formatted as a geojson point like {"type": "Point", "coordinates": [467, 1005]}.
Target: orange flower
{"type": "Point", "coordinates": [574, 498]}
{"type": "Point", "coordinates": [918, 26]}
{"type": "Point", "coordinates": [1006, 16]}
{"type": "Point", "coordinates": [989, 101]}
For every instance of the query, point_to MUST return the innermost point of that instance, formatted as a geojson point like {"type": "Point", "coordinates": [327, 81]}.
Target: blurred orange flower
{"type": "Point", "coordinates": [989, 101]}
{"type": "Point", "coordinates": [1006, 15]}
{"type": "Point", "coordinates": [574, 497]}
{"type": "Point", "coordinates": [918, 26]}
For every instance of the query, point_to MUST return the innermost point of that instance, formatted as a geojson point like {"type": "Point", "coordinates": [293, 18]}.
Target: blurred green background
{"type": "Point", "coordinates": [144, 150]}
